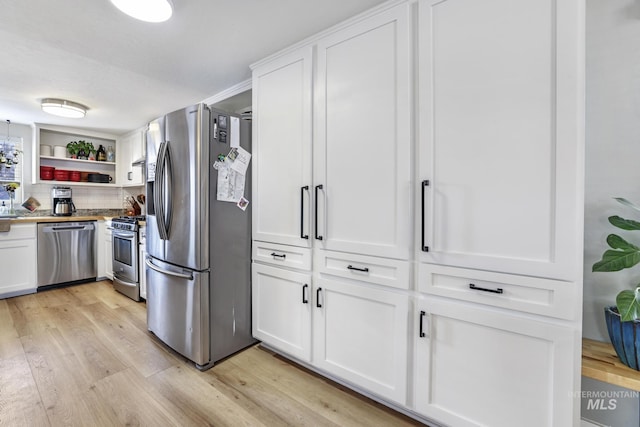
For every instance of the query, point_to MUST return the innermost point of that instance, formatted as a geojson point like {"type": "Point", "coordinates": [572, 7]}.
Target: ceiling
{"type": "Point", "coordinates": [129, 72]}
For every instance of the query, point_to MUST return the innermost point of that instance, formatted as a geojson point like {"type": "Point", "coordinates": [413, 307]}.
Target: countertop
{"type": "Point", "coordinates": [81, 215]}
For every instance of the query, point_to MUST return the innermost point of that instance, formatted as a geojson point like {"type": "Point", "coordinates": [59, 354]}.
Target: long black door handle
{"type": "Point", "coordinates": [422, 334]}
{"type": "Point", "coordinates": [304, 294]}
{"type": "Point", "coordinates": [493, 291]}
{"type": "Point", "coordinates": [351, 267]}
{"type": "Point", "coordinates": [424, 247]}
{"type": "Point", "coordinates": [318, 298]}
{"type": "Point", "coordinates": [275, 255]}
{"type": "Point", "coordinates": [318, 187]}
{"type": "Point", "coordinates": [302, 190]}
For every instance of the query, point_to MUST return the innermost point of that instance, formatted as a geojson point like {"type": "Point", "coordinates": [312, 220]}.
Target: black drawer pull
{"type": "Point", "coordinates": [318, 298]}
{"type": "Point", "coordinates": [275, 255]}
{"type": "Point", "coordinates": [422, 334]}
{"type": "Point", "coordinates": [493, 291]}
{"type": "Point", "coordinates": [304, 294]}
{"type": "Point", "coordinates": [351, 267]}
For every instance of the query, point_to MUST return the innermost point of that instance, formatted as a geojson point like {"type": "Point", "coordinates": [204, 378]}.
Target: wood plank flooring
{"type": "Point", "coordinates": [82, 356]}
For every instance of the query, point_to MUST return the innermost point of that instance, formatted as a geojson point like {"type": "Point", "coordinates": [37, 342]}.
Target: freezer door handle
{"type": "Point", "coordinates": [168, 272]}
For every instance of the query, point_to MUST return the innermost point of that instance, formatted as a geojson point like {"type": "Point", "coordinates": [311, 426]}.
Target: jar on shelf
{"type": "Point", "coordinates": [111, 155]}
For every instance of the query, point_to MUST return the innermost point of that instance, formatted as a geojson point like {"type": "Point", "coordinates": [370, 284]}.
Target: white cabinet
{"type": "Point", "coordinates": [281, 302]}
{"type": "Point", "coordinates": [500, 135]}
{"type": "Point", "coordinates": [282, 149]}
{"type": "Point", "coordinates": [130, 151]}
{"type": "Point", "coordinates": [352, 219]}
{"type": "Point", "coordinates": [362, 144]}
{"type": "Point", "coordinates": [360, 334]}
{"type": "Point", "coordinates": [479, 367]}
{"type": "Point", "coordinates": [499, 211]}
{"type": "Point", "coordinates": [59, 137]}
{"type": "Point", "coordinates": [18, 260]}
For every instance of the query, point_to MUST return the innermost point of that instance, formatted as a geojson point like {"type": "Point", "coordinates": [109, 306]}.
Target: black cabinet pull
{"type": "Point", "coordinates": [422, 334]}
{"type": "Point", "coordinates": [351, 267]}
{"type": "Point", "coordinates": [275, 255]}
{"type": "Point", "coordinates": [302, 190]}
{"type": "Point", "coordinates": [424, 247]}
{"type": "Point", "coordinates": [304, 294]}
{"type": "Point", "coordinates": [318, 187]}
{"type": "Point", "coordinates": [493, 291]}
{"type": "Point", "coordinates": [318, 298]}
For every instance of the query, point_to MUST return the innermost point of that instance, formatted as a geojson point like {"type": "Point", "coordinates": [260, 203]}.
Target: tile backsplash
{"type": "Point", "coordinates": [86, 197]}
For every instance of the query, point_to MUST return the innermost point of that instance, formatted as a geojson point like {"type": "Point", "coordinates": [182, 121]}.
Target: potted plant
{"type": "Point", "coordinates": [623, 322]}
{"type": "Point", "coordinates": [89, 149]}
{"type": "Point", "coordinates": [73, 148]}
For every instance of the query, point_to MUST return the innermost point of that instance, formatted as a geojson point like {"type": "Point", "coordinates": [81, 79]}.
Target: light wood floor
{"type": "Point", "coordinates": [82, 356]}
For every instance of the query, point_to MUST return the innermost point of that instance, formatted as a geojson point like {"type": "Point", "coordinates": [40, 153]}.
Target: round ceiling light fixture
{"type": "Point", "coordinates": [64, 108]}
{"type": "Point", "coordinates": [146, 10]}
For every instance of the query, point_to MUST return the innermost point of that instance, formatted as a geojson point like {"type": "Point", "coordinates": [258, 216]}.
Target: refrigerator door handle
{"type": "Point", "coordinates": [163, 271]}
{"type": "Point", "coordinates": [168, 172]}
{"type": "Point", "coordinates": [163, 218]}
{"type": "Point", "coordinates": [158, 195]}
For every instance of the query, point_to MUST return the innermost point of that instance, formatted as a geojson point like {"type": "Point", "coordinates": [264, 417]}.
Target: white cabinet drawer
{"type": "Point", "coordinates": [19, 231]}
{"type": "Point", "coordinates": [529, 294]}
{"type": "Point", "coordinates": [282, 255]}
{"type": "Point", "coordinates": [382, 271]}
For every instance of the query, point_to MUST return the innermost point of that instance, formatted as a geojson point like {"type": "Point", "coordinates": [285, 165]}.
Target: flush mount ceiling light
{"type": "Point", "coordinates": [64, 108]}
{"type": "Point", "coordinates": [146, 10]}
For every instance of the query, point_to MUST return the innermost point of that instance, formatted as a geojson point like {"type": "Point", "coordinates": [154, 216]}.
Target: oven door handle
{"type": "Point", "coordinates": [124, 235]}
{"type": "Point", "coordinates": [168, 272]}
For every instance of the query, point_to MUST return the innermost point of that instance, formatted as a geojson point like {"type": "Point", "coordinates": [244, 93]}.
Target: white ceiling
{"type": "Point", "coordinates": [128, 72]}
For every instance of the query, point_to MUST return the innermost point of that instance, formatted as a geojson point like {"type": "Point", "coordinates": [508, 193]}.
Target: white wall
{"type": "Point", "coordinates": [612, 145]}
{"type": "Point", "coordinates": [83, 197]}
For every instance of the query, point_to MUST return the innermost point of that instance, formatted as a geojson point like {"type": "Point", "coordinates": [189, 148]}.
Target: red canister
{"type": "Point", "coordinates": [74, 176]}
{"type": "Point", "coordinates": [61, 175]}
{"type": "Point", "coordinates": [46, 172]}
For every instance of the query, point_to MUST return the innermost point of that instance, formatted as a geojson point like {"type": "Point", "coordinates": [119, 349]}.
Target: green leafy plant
{"type": "Point", "coordinates": [622, 255]}
{"type": "Point", "coordinates": [73, 148]}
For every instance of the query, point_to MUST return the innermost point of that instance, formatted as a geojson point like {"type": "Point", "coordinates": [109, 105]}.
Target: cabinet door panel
{"type": "Point", "coordinates": [360, 335]}
{"type": "Point", "coordinates": [363, 158]}
{"type": "Point", "coordinates": [476, 367]}
{"type": "Point", "coordinates": [282, 149]}
{"type": "Point", "coordinates": [500, 134]}
{"type": "Point", "coordinates": [280, 317]}
{"type": "Point", "coordinates": [18, 261]}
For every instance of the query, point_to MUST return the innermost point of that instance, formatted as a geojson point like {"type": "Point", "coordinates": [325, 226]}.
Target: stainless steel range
{"type": "Point", "coordinates": [126, 277]}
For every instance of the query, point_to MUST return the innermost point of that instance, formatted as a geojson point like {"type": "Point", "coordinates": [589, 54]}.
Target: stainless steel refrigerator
{"type": "Point", "coordinates": [198, 265]}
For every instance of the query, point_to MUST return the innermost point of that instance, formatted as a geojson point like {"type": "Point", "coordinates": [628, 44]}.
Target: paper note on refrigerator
{"type": "Point", "coordinates": [235, 132]}
{"type": "Point", "coordinates": [230, 184]}
{"type": "Point", "coordinates": [241, 159]}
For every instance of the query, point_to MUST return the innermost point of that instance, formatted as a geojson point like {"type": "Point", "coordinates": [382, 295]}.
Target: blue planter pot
{"type": "Point", "coordinates": [625, 338]}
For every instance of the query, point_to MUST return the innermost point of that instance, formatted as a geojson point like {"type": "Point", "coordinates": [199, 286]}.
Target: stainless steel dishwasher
{"type": "Point", "coordinates": [66, 252]}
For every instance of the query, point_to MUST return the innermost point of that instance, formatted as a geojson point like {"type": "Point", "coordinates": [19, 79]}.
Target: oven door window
{"type": "Point", "coordinates": [122, 250]}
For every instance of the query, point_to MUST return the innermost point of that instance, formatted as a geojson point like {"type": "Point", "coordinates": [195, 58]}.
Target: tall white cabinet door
{"type": "Point", "coordinates": [477, 367]}
{"type": "Point", "coordinates": [362, 150]}
{"type": "Point", "coordinates": [282, 96]}
{"type": "Point", "coordinates": [281, 313]}
{"type": "Point", "coordinates": [360, 335]}
{"type": "Point", "coordinates": [501, 135]}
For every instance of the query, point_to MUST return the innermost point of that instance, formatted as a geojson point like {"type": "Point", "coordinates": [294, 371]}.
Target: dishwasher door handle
{"type": "Point", "coordinates": [67, 228]}
{"type": "Point", "coordinates": [168, 272]}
